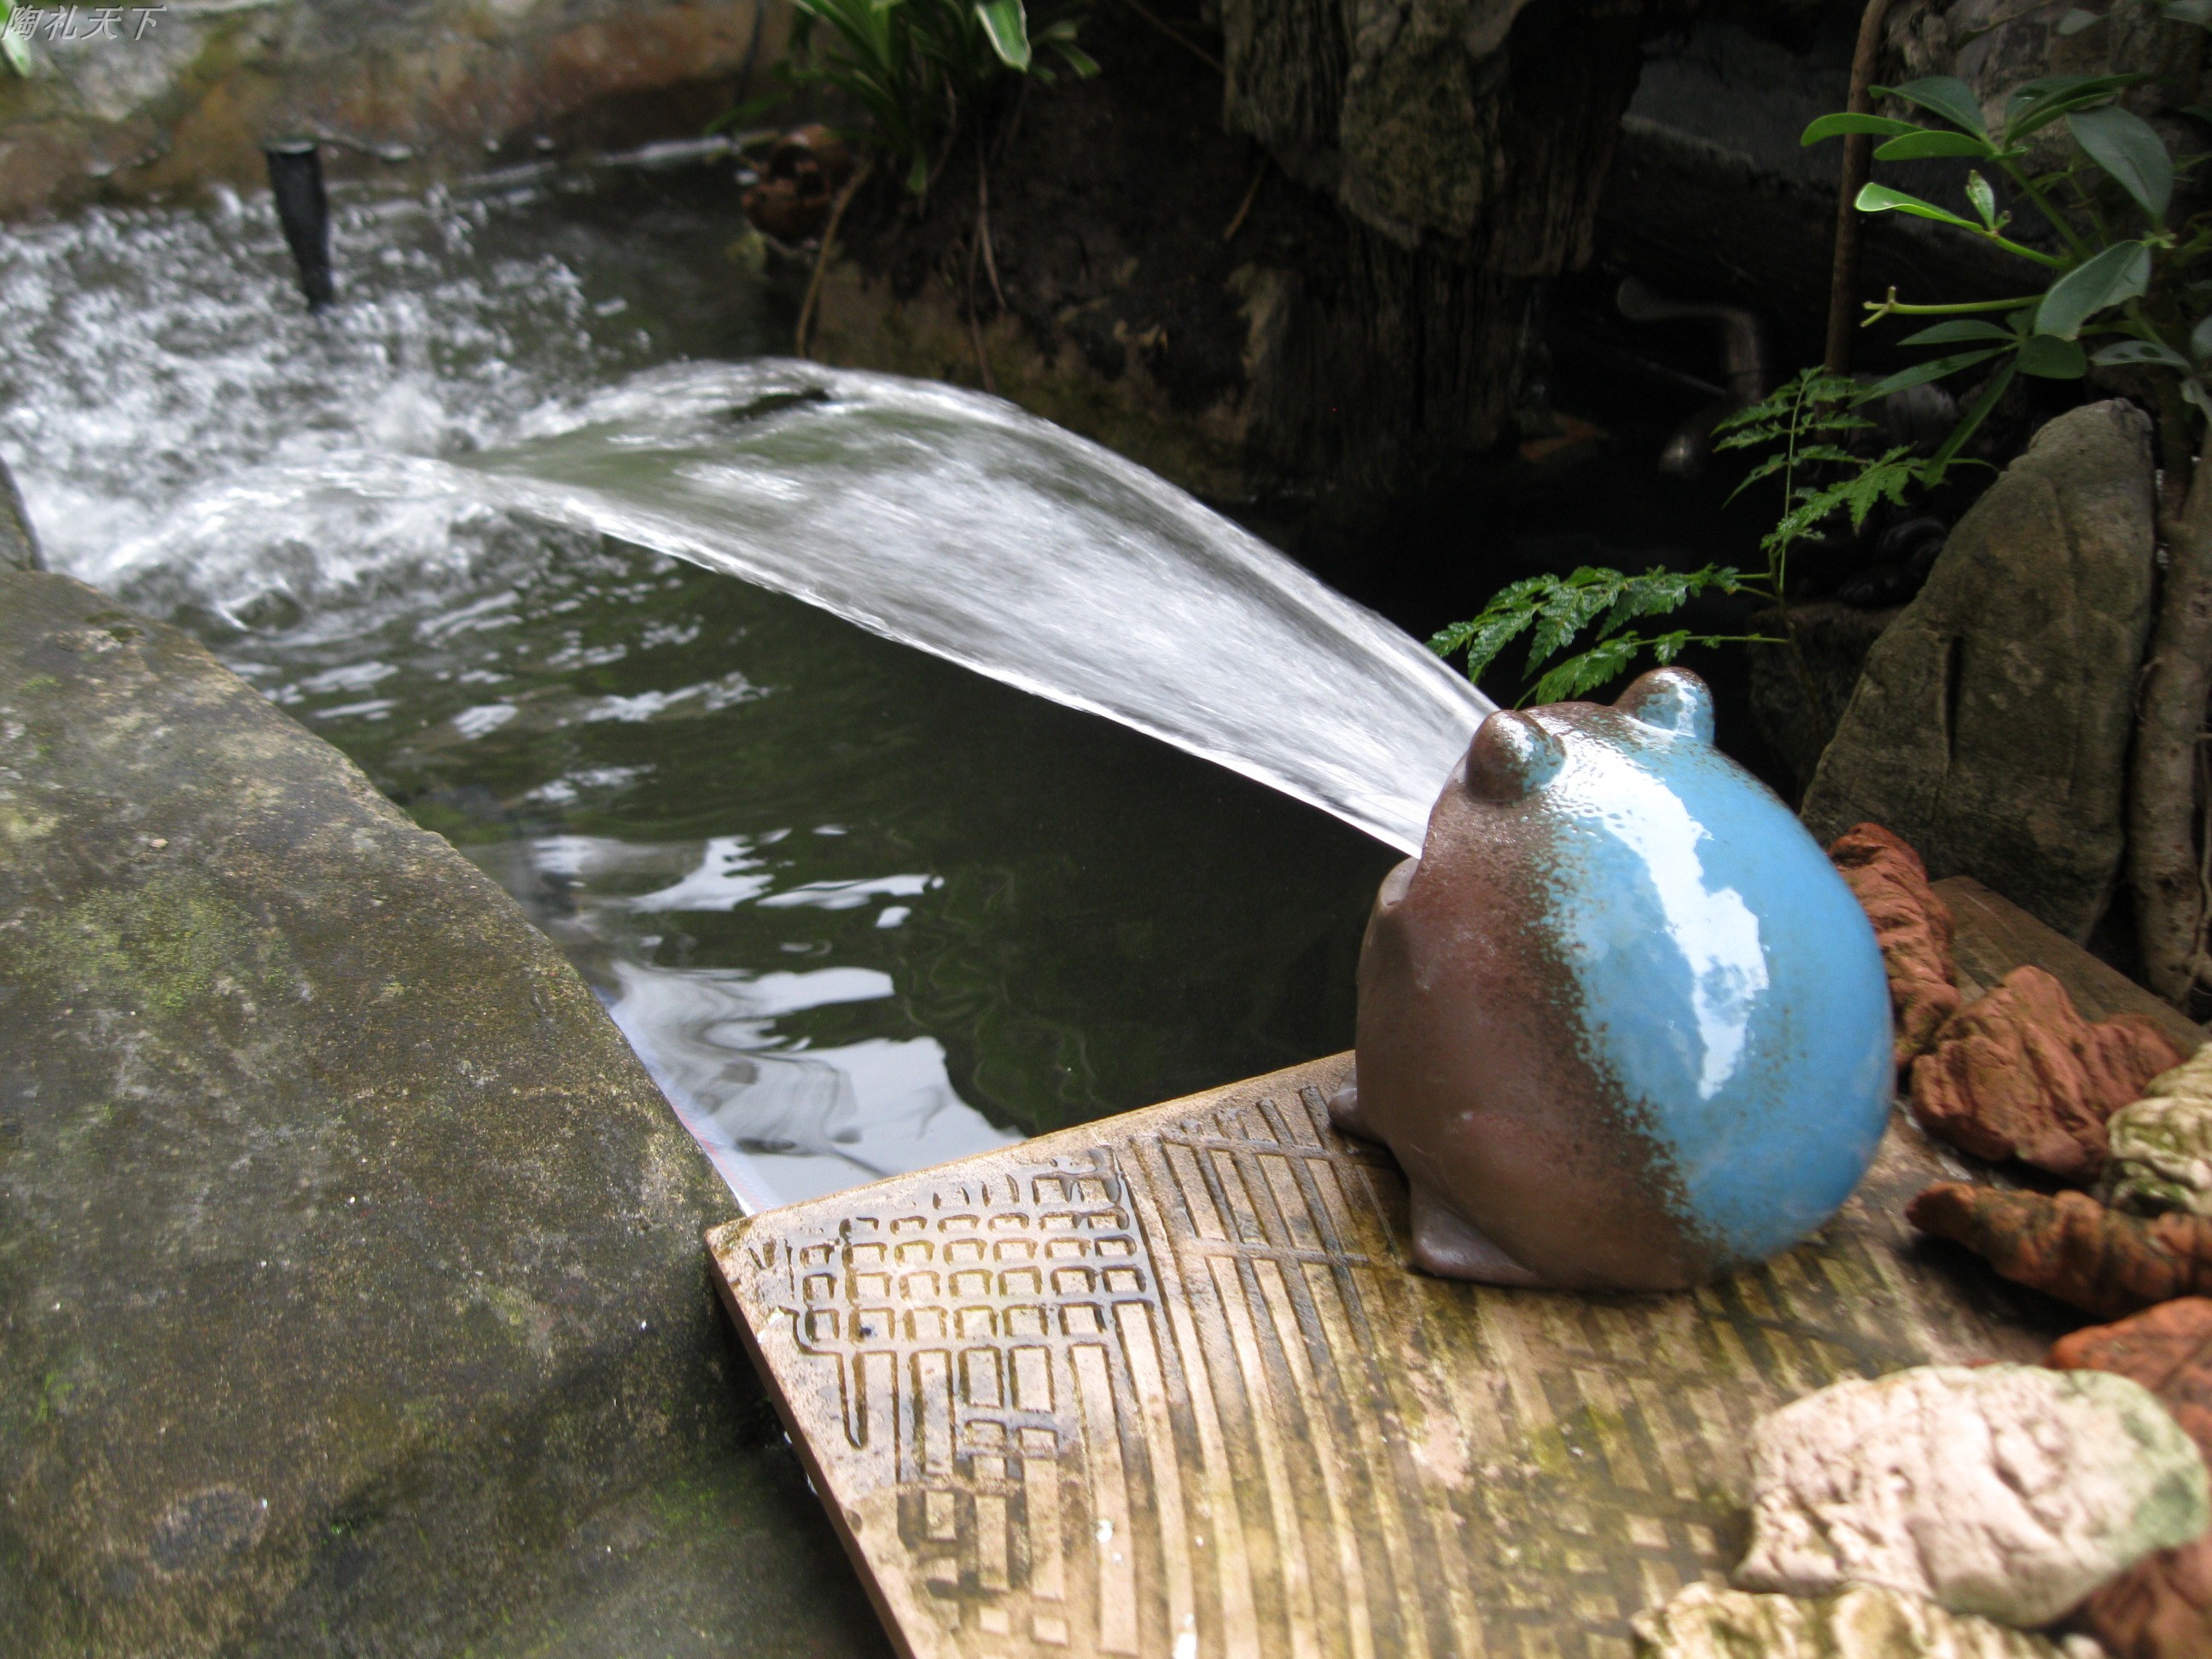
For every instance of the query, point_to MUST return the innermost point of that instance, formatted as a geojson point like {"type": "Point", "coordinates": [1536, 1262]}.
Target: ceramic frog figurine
{"type": "Point", "coordinates": [1622, 1023]}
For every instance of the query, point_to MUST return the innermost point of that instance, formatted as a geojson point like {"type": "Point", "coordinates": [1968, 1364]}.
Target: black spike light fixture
{"type": "Point", "coordinates": [303, 208]}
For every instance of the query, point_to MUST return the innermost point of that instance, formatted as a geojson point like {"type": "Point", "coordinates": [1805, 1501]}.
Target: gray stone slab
{"type": "Point", "coordinates": [1991, 725]}
{"type": "Point", "coordinates": [350, 1292]}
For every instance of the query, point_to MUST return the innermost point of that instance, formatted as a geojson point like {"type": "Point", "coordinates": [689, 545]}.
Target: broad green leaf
{"type": "Point", "coordinates": [2200, 340]}
{"type": "Point", "coordinates": [1952, 334]}
{"type": "Point", "coordinates": [2126, 147]}
{"type": "Point", "coordinates": [2041, 103]}
{"type": "Point", "coordinates": [1983, 198]}
{"type": "Point", "coordinates": [2120, 273]}
{"type": "Point", "coordinates": [1881, 198]}
{"type": "Point", "coordinates": [2052, 359]}
{"type": "Point", "coordinates": [2077, 20]}
{"type": "Point", "coordinates": [1008, 26]}
{"type": "Point", "coordinates": [1835, 126]}
{"type": "Point", "coordinates": [2199, 12]}
{"type": "Point", "coordinates": [1945, 96]}
{"type": "Point", "coordinates": [2126, 353]}
{"type": "Point", "coordinates": [1921, 373]}
{"type": "Point", "coordinates": [1080, 61]}
{"type": "Point", "coordinates": [1921, 146]}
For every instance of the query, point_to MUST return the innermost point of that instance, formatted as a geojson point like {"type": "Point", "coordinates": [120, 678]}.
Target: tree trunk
{"type": "Point", "coordinates": [1466, 143]}
{"type": "Point", "coordinates": [2162, 852]}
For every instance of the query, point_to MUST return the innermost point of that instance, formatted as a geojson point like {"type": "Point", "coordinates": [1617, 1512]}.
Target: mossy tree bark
{"type": "Point", "coordinates": [2164, 860]}
{"type": "Point", "coordinates": [1467, 143]}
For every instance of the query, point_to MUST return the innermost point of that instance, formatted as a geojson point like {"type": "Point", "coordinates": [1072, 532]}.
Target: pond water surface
{"type": "Point", "coordinates": [861, 910]}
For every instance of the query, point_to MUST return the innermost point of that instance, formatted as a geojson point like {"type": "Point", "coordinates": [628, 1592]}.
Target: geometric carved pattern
{"type": "Point", "coordinates": [1162, 1385]}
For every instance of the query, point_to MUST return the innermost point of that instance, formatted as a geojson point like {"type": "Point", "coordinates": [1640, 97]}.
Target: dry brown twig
{"type": "Point", "coordinates": [1858, 152]}
{"type": "Point", "coordinates": [983, 224]}
{"type": "Point", "coordinates": [1252, 195]}
{"type": "Point", "coordinates": [974, 324]}
{"type": "Point", "coordinates": [822, 256]}
{"type": "Point", "coordinates": [1197, 52]}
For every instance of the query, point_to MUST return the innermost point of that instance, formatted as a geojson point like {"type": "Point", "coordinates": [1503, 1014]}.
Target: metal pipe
{"type": "Point", "coordinates": [295, 179]}
{"type": "Point", "coordinates": [1743, 365]}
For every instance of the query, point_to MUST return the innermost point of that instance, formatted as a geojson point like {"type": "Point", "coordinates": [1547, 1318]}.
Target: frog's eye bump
{"type": "Point", "coordinates": [1672, 700]}
{"type": "Point", "coordinates": [1511, 755]}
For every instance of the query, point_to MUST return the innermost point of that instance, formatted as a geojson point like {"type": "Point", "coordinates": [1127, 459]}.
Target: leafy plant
{"type": "Point", "coordinates": [916, 68]}
{"type": "Point", "coordinates": [2112, 268]}
{"type": "Point", "coordinates": [2115, 282]}
{"type": "Point", "coordinates": [1560, 607]}
{"type": "Point", "coordinates": [1804, 426]}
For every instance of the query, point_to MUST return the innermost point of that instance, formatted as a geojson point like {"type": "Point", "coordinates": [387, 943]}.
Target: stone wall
{"type": "Point", "coordinates": [165, 97]}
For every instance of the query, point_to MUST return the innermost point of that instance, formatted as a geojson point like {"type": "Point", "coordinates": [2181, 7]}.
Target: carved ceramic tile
{"type": "Point", "coordinates": [1160, 1385]}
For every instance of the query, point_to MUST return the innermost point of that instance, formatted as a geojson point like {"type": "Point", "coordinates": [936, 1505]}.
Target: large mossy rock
{"type": "Point", "coordinates": [1991, 726]}
{"type": "Point", "coordinates": [350, 1272]}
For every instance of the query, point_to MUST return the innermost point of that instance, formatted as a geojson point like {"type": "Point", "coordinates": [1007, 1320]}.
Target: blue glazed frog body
{"type": "Point", "coordinates": [1622, 1023]}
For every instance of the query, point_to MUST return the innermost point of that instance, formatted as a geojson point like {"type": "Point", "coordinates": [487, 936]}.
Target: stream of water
{"type": "Point", "coordinates": [857, 910]}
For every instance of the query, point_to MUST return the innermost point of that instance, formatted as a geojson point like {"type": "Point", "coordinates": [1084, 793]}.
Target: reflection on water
{"type": "Point", "coordinates": [782, 1119]}
{"type": "Point", "coordinates": [859, 910]}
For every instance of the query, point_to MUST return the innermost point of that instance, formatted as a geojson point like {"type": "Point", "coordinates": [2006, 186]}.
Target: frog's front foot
{"type": "Point", "coordinates": [1447, 1245]}
{"type": "Point", "coordinates": [1344, 1111]}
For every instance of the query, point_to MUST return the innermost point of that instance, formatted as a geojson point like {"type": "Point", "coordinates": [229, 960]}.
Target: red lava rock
{"type": "Point", "coordinates": [2161, 1607]}
{"type": "Point", "coordinates": [2021, 1074]}
{"type": "Point", "coordinates": [2069, 1246]}
{"type": "Point", "coordinates": [1913, 927]}
{"type": "Point", "coordinates": [2168, 1349]}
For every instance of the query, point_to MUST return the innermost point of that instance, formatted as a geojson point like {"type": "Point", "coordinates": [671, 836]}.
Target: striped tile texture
{"type": "Point", "coordinates": [1162, 1386]}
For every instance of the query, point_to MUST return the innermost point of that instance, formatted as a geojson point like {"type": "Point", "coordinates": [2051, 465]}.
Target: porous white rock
{"type": "Point", "coordinates": [2161, 1156]}
{"type": "Point", "coordinates": [1863, 1622]}
{"type": "Point", "coordinates": [2010, 1491]}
